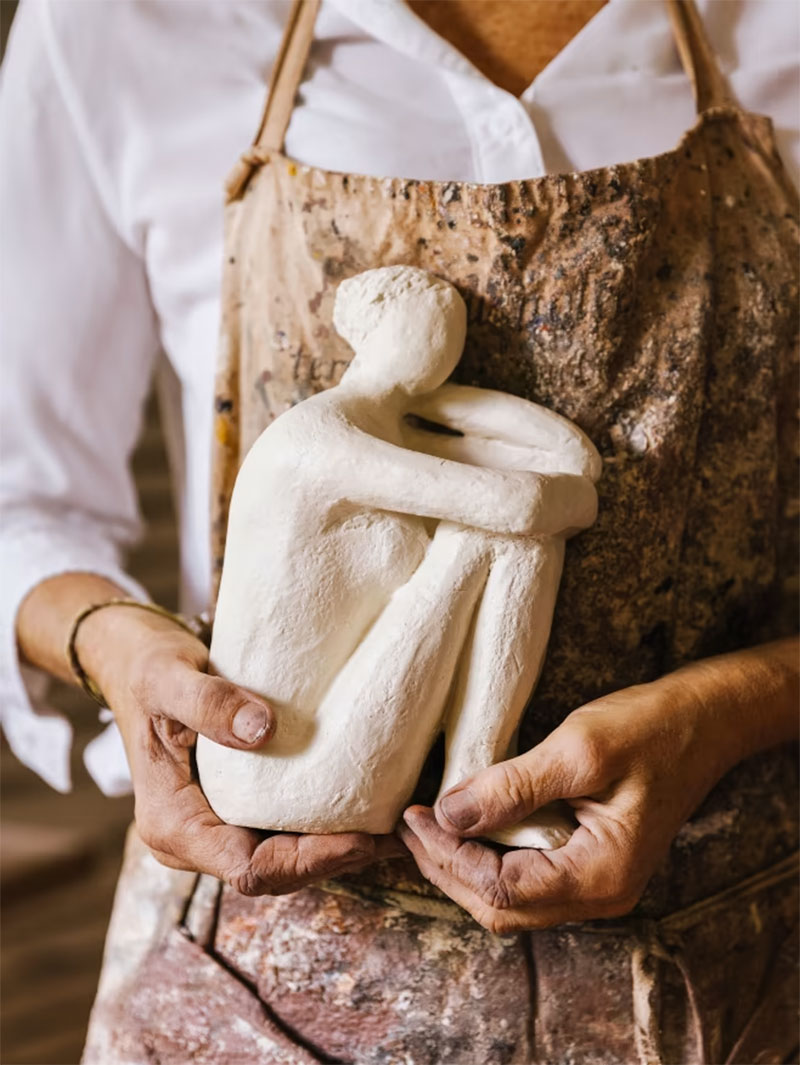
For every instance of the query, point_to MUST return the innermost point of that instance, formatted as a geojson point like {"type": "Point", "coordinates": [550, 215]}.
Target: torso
{"type": "Point", "coordinates": [283, 643]}
{"type": "Point", "coordinates": [195, 77]}
{"type": "Point", "coordinates": [654, 303]}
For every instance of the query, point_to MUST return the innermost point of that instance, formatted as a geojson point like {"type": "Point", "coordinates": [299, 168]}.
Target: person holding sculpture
{"type": "Point", "coordinates": [439, 562]}
{"type": "Point", "coordinates": [425, 385]}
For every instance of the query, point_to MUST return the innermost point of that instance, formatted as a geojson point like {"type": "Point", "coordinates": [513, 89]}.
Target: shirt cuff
{"type": "Point", "coordinates": [39, 735]}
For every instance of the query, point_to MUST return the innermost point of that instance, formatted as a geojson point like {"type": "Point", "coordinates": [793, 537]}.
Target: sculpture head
{"type": "Point", "coordinates": [406, 327]}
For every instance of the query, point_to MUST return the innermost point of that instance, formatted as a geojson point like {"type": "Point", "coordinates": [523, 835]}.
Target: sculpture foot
{"type": "Point", "coordinates": [546, 830]}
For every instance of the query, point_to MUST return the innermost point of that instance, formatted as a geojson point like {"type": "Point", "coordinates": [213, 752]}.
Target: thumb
{"type": "Point", "coordinates": [222, 712]}
{"type": "Point", "coordinates": [505, 793]}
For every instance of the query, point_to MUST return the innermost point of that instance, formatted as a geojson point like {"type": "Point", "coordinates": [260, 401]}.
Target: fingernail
{"type": "Point", "coordinates": [359, 853]}
{"type": "Point", "coordinates": [355, 859]}
{"type": "Point", "coordinates": [460, 808]}
{"type": "Point", "coordinates": [250, 723]}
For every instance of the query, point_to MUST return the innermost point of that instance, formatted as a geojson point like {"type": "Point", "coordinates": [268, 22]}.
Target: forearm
{"type": "Point", "coordinates": [46, 615]}
{"type": "Point", "coordinates": [153, 672]}
{"type": "Point", "coordinates": [413, 483]}
{"type": "Point", "coordinates": [748, 699]}
{"type": "Point", "coordinates": [107, 641]}
{"type": "Point", "coordinates": [506, 502]}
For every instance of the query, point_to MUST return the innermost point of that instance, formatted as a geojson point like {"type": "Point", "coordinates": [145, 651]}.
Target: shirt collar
{"type": "Point", "coordinates": [394, 23]}
{"type": "Point", "coordinates": [624, 36]}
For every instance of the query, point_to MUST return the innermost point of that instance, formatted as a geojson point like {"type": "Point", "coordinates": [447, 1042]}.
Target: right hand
{"type": "Point", "coordinates": [152, 674]}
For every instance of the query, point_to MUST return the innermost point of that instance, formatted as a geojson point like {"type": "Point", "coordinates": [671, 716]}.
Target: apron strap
{"type": "Point", "coordinates": [697, 57]}
{"type": "Point", "coordinates": [696, 53]}
{"type": "Point", "coordinates": [287, 75]}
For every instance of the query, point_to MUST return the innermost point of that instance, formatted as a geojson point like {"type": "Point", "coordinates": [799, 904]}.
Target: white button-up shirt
{"type": "Point", "coordinates": [119, 122]}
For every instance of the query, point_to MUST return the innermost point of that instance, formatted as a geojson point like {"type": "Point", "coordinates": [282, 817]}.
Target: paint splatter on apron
{"type": "Point", "coordinates": [653, 303]}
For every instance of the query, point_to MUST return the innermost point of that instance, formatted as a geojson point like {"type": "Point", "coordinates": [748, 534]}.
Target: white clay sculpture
{"type": "Point", "coordinates": [383, 582]}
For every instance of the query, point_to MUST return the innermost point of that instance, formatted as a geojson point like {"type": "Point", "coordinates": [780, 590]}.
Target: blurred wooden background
{"type": "Point", "coordinates": [60, 854]}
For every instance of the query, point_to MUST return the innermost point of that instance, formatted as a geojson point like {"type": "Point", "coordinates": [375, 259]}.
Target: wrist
{"type": "Point", "coordinates": [743, 702]}
{"type": "Point", "coordinates": [112, 643]}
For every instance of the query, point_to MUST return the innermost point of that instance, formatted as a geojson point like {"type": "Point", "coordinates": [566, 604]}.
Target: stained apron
{"type": "Point", "coordinates": [655, 304]}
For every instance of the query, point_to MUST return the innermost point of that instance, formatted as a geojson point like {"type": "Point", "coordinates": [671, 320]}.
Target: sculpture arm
{"type": "Point", "coordinates": [546, 441]}
{"type": "Point", "coordinates": [482, 451]}
{"type": "Point", "coordinates": [376, 473]}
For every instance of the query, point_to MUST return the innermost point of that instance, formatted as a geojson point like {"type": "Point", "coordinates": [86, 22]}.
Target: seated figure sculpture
{"type": "Point", "coordinates": [383, 582]}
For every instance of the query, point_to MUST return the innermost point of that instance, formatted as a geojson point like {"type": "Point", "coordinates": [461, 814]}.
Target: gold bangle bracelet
{"type": "Point", "coordinates": [197, 627]}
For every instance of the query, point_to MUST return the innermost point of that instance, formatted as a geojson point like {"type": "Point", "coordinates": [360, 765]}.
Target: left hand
{"type": "Point", "coordinates": [632, 765]}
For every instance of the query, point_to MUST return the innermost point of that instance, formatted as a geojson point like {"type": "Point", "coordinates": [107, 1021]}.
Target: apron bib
{"type": "Point", "coordinates": [654, 304]}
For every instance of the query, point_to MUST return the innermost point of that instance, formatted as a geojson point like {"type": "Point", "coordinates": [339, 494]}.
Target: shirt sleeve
{"type": "Point", "coordinates": [79, 341]}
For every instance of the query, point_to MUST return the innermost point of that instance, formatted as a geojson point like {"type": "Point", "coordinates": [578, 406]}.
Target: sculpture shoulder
{"type": "Point", "coordinates": [296, 459]}
{"type": "Point", "coordinates": [300, 432]}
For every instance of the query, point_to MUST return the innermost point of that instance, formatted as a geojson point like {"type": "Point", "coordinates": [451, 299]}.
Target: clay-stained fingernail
{"type": "Point", "coordinates": [461, 808]}
{"type": "Point", "coordinates": [360, 853]}
{"type": "Point", "coordinates": [354, 865]}
{"type": "Point", "coordinates": [251, 723]}
{"type": "Point", "coordinates": [393, 849]}
{"type": "Point", "coordinates": [353, 861]}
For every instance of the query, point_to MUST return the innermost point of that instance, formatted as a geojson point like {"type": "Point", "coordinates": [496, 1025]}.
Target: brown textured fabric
{"type": "Point", "coordinates": [196, 974]}
{"type": "Point", "coordinates": [654, 303]}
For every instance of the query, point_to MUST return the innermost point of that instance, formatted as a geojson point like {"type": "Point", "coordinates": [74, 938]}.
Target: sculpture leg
{"type": "Point", "coordinates": [381, 714]}
{"type": "Point", "coordinates": [499, 668]}
{"type": "Point", "coordinates": [356, 766]}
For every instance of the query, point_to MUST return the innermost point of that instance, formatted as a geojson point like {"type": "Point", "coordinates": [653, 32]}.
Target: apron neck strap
{"type": "Point", "coordinates": [697, 57]}
{"type": "Point", "coordinates": [287, 74]}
